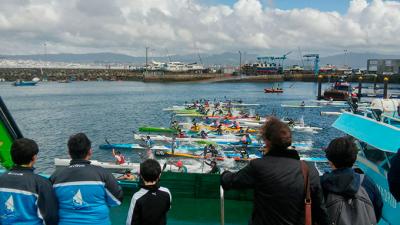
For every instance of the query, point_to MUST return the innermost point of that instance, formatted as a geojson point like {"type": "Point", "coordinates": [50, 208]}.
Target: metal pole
{"type": "Point", "coordinates": [221, 191]}
{"type": "Point", "coordinates": [147, 51]}
{"type": "Point", "coordinates": [385, 87]}
{"type": "Point", "coordinates": [240, 63]}
{"type": "Point", "coordinates": [319, 97]}
{"type": "Point", "coordinates": [359, 88]}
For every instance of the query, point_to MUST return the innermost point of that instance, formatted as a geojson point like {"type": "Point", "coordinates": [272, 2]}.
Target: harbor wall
{"type": "Point", "coordinates": [55, 74]}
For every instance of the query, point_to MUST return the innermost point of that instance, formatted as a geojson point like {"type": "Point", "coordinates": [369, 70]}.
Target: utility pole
{"type": "Point", "coordinates": [240, 63]}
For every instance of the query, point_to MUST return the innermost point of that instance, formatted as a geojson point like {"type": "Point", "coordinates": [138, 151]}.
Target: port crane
{"type": "Point", "coordinates": [316, 62]}
{"type": "Point", "coordinates": [277, 61]}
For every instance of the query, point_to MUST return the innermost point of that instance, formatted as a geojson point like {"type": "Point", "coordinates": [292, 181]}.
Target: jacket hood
{"type": "Point", "coordinates": [344, 182]}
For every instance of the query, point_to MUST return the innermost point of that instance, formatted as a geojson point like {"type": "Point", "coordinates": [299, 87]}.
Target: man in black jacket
{"type": "Point", "coordinates": [26, 198]}
{"type": "Point", "coordinates": [278, 181]}
{"type": "Point", "coordinates": [394, 176]}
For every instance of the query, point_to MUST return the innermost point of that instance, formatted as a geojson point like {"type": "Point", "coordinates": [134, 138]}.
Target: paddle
{"type": "Point", "coordinates": [105, 139]}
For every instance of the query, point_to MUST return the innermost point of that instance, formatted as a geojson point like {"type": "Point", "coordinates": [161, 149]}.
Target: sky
{"type": "Point", "coordinates": [268, 27]}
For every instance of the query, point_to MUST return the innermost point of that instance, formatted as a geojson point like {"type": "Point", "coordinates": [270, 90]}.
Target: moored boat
{"type": "Point", "coordinates": [273, 90]}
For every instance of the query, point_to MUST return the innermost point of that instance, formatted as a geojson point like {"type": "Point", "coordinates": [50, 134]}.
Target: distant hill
{"type": "Point", "coordinates": [355, 60]}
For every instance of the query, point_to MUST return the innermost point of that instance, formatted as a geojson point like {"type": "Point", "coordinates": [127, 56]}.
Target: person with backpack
{"type": "Point", "coordinates": [278, 181]}
{"type": "Point", "coordinates": [351, 196]}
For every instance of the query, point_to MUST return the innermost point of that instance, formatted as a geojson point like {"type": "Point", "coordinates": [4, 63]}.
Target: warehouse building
{"type": "Point", "coordinates": [383, 66]}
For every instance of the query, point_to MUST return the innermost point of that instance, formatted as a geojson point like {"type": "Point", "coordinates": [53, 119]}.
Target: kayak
{"type": "Point", "coordinates": [301, 106]}
{"type": "Point", "coordinates": [273, 90]}
{"type": "Point", "coordinates": [186, 155]}
{"type": "Point", "coordinates": [157, 130]}
{"type": "Point", "coordinates": [130, 146]}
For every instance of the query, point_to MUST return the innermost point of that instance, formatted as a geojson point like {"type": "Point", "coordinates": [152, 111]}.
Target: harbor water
{"type": "Point", "coordinates": [50, 112]}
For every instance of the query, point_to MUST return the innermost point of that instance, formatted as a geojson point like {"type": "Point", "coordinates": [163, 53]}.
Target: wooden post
{"type": "Point", "coordinates": [319, 96]}
{"type": "Point", "coordinates": [359, 88]}
{"type": "Point", "coordinates": [385, 87]}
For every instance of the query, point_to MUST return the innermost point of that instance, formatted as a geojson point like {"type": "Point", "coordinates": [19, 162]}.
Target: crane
{"type": "Point", "coordinates": [316, 62]}
{"type": "Point", "coordinates": [276, 61]}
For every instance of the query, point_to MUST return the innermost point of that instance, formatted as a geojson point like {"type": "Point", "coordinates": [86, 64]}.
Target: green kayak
{"type": "Point", "coordinates": [157, 130]}
{"type": "Point", "coordinates": [186, 111]}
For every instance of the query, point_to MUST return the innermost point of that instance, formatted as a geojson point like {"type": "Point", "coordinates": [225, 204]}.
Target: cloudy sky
{"type": "Point", "coordinates": [190, 26]}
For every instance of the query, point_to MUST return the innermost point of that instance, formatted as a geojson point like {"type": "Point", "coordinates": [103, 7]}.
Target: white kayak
{"type": "Point", "coordinates": [301, 106]}
{"type": "Point", "coordinates": [192, 166]}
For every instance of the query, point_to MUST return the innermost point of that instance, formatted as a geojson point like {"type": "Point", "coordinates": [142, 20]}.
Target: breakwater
{"type": "Point", "coordinates": [56, 74]}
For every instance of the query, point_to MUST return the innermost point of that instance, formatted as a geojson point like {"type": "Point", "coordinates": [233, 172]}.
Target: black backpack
{"type": "Point", "coordinates": [357, 210]}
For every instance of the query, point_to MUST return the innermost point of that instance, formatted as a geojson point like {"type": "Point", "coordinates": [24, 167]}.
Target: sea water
{"type": "Point", "coordinates": [50, 112]}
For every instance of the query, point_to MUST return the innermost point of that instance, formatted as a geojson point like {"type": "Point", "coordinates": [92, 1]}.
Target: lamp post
{"type": "Point", "coordinates": [240, 63]}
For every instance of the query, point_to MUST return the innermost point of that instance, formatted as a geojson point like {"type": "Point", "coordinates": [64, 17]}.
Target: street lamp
{"type": "Point", "coordinates": [240, 63]}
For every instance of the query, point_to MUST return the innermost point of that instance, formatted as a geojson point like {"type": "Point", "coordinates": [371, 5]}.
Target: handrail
{"type": "Point", "coordinates": [222, 205]}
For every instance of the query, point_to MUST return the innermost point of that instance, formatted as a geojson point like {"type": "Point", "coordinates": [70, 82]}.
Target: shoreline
{"type": "Point", "coordinates": [56, 74]}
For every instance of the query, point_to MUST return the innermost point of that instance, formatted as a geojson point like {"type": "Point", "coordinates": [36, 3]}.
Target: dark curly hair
{"type": "Point", "coordinates": [342, 152]}
{"type": "Point", "coordinates": [277, 133]}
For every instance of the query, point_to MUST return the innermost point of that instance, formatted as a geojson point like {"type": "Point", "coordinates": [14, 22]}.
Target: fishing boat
{"type": "Point", "coordinates": [273, 90]}
{"type": "Point", "coordinates": [378, 140]}
{"type": "Point", "coordinates": [339, 91]}
{"type": "Point", "coordinates": [19, 83]}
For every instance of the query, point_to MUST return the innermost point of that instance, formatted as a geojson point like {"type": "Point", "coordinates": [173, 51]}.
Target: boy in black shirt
{"type": "Point", "coordinates": [149, 206]}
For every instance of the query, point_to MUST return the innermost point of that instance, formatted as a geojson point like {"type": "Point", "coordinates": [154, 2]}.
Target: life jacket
{"type": "Point", "coordinates": [120, 159]}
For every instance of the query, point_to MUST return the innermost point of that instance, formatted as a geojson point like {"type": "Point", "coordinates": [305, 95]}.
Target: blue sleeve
{"type": "Point", "coordinates": [47, 202]}
{"type": "Point", "coordinates": [375, 196]}
{"type": "Point", "coordinates": [114, 194]}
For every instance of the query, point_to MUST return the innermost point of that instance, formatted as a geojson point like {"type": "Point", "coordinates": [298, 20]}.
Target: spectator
{"type": "Point", "coordinates": [84, 191]}
{"type": "Point", "coordinates": [394, 176]}
{"type": "Point", "coordinates": [149, 206]}
{"type": "Point", "coordinates": [278, 182]}
{"type": "Point", "coordinates": [351, 196]}
{"type": "Point", "coordinates": [26, 198]}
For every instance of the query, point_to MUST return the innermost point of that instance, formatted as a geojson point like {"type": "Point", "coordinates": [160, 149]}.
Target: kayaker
{"type": "Point", "coordinates": [258, 118]}
{"type": "Point", "coordinates": [278, 182]}
{"type": "Point", "coordinates": [150, 204]}
{"type": "Point", "coordinates": [212, 150]}
{"type": "Point", "coordinates": [203, 134]}
{"type": "Point", "coordinates": [127, 176]}
{"type": "Point", "coordinates": [180, 133]}
{"type": "Point", "coordinates": [350, 195]}
{"type": "Point", "coordinates": [235, 125]}
{"type": "Point", "coordinates": [181, 167]}
{"type": "Point", "coordinates": [194, 127]}
{"type": "Point", "coordinates": [214, 167]}
{"type": "Point", "coordinates": [175, 125]}
{"type": "Point", "coordinates": [26, 198]}
{"type": "Point", "coordinates": [149, 142]}
{"type": "Point", "coordinates": [219, 129]}
{"type": "Point", "coordinates": [207, 120]}
{"type": "Point", "coordinates": [205, 151]}
{"type": "Point", "coordinates": [302, 104]}
{"type": "Point", "coordinates": [119, 158]}
{"type": "Point", "coordinates": [85, 192]}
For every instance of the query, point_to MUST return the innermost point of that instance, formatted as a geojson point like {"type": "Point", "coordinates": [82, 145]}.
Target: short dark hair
{"type": "Point", "coordinates": [79, 146]}
{"type": "Point", "coordinates": [342, 152]}
{"type": "Point", "coordinates": [23, 150]}
{"type": "Point", "coordinates": [277, 132]}
{"type": "Point", "coordinates": [150, 170]}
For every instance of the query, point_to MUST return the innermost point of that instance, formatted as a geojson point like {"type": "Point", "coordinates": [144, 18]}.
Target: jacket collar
{"type": "Point", "coordinates": [18, 168]}
{"type": "Point", "coordinates": [79, 161]}
{"type": "Point", "coordinates": [292, 154]}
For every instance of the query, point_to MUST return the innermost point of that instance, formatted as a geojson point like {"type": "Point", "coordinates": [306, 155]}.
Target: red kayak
{"type": "Point", "coordinates": [273, 90]}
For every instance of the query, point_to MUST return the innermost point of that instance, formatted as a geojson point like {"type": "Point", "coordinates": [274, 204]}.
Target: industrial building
{"type": "Point", "coordinates": [383, 66]}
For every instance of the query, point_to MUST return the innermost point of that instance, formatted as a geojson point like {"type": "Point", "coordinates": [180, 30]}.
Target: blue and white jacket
{"type": "Point", "coordinates": [26, 198]}
{"type": "Point", "coordinates": [85, 193]}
